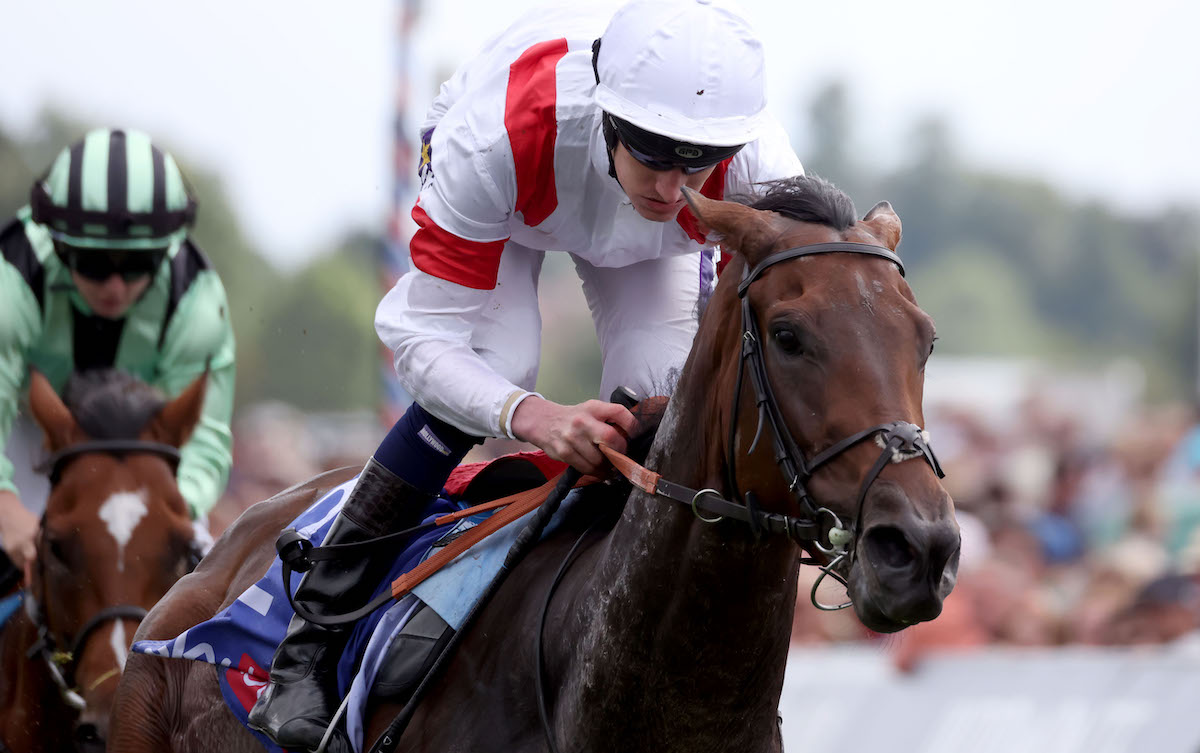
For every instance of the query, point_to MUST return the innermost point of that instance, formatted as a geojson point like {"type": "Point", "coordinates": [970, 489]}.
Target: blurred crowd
{"type": "Point", "coordinates": [1069, 535]}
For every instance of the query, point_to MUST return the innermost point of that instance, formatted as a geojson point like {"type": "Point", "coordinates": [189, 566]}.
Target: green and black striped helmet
{"type": "Point", "coordinates": [113, 190]}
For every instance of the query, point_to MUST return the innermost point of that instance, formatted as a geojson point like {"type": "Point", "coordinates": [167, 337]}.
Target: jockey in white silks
{"type": "Point", "coordinates": [561, 135]}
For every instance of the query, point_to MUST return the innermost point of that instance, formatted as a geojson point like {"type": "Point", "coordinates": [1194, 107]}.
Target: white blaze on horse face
{"type": "Point", "coordinates": [120, 645]}
{"type": "Point", "coordinates": [121, 513]}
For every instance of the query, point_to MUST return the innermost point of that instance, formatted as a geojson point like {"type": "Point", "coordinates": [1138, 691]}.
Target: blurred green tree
{"type": "Point", "coordinates": [1010, 265]}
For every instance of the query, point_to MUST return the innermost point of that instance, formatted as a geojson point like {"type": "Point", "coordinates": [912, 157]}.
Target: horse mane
{"type": "Point", "coordinates": [111, 404]}
{"type": "Point", "coordinates": [807, 198]}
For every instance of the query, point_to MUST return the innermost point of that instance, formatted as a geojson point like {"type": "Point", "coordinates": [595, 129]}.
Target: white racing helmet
{"type": "Point", "coordinates": [688, 70]}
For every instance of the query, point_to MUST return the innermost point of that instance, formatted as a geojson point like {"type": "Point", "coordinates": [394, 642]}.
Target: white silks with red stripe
{"type": "Point", "coordinates": [518, 167]}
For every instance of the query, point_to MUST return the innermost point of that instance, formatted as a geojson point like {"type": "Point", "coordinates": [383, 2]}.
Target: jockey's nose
{"type": "Point", "coordinates": [669, 184]}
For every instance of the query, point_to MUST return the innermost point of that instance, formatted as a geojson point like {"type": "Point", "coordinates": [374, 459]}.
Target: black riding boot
{"type": "Point", "coordinates": [297, 706]}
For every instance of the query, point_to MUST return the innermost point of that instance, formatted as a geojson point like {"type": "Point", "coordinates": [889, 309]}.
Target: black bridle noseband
{"type": "Point", "coordinates": [61, 663]}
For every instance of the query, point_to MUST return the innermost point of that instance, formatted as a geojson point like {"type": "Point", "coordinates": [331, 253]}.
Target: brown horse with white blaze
{"type": "Point", "coordinates": [798, 407]}
{"type": "Point", "coordinates": [115, 536]}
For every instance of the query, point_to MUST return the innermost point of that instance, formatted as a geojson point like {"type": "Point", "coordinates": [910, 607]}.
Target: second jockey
{"type": "Point", "coordinates": [551, 139]}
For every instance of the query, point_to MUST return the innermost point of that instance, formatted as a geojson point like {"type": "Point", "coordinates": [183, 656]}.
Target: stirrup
{"type": "Point", "coordinates": [333, 723]}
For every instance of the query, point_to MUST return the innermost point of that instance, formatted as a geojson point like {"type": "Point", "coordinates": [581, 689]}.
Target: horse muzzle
{"type": "Point", "coordinates": [905, 565]}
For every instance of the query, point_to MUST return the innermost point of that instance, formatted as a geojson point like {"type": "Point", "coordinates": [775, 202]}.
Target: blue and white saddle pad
{"type": "Point", "coordinates": [241, 639]}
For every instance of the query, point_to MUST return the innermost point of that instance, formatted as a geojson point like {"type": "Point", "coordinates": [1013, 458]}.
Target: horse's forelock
{"type": "Point", "coordinates": [111, 404]}
{"type": "Point", "coordinates": [807, 198]}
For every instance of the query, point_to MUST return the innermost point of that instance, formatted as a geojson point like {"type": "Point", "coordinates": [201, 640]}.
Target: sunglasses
{"type": "Point", "coordinates": [99, 266]}
{"type": "Point", "coordinates": [659, 165]}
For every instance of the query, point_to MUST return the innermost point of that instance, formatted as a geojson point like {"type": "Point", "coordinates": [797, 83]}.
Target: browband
{"type": "Point", "coordinates": [817, 248]}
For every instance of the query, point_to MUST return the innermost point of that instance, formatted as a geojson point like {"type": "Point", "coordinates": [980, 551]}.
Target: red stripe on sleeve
{"type": "Point", "coordinates": [713, 188]}
{"type": "Point", "coordinates": [444, 255]}
{"type": "Point", "coordinates": [532, 126]}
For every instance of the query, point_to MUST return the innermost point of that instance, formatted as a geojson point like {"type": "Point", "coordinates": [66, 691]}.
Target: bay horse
{"type": "Point", "coordinates": [670, 632]}
{"type": "Point", "coordinates": [115, 536]}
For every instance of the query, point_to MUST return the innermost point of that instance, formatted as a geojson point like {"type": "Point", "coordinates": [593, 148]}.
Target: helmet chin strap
{"type": "Point", "coordinates": [610, 131]}
{"type": "Point", "coordinates": [610, 143]}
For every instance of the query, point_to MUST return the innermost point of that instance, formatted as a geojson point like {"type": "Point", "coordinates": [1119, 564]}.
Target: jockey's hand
{"type": "Point", "coordinates": [18, 532]}
{"type": "Point", "coordinates": [571, 432]}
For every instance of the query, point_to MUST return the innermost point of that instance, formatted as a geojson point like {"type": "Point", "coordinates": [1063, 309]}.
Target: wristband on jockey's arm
{"type": "Point", "coordinates": [515, 398]}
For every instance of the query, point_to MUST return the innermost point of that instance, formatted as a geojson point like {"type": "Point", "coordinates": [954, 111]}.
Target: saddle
{"type": "Point", "coordinates": [427, 641]}
{"type": "Point", "coordinates": [394, 652]}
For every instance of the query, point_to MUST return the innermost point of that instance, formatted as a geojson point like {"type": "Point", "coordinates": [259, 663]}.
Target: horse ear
{"type": "Point", "coordinates": [885, 224]}
{"type": "Point", "coordinates": [174, 423]}
{"type": "Point", "coordinates": [749, 231]}
{"type": "Point", "coordinates": [59, 426]}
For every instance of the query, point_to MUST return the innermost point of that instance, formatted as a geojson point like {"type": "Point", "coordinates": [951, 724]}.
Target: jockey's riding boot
{"type": "Point", "coordinates": [297, 706]}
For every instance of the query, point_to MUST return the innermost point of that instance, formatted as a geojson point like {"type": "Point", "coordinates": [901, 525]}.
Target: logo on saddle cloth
{"type": "Point", "coordinates": [247, 681]}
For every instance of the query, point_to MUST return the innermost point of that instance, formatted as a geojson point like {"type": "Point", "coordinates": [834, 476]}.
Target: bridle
{"type": "Point", "coordinates": [53, 465]}
{"type": "Point", "coordinates": [60, 663]}
{"type": "Point", "coordinates": [898, 440]}
{"type": "Point", "coordinates": [817, 527]}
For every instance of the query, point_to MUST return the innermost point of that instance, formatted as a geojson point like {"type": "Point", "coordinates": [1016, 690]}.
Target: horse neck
{"type": "Point", "coordinates": [698, 614]}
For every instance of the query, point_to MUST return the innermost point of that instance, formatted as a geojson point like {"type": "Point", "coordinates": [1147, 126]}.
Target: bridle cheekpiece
{"type": "Point", "coordinates": [899, 440]}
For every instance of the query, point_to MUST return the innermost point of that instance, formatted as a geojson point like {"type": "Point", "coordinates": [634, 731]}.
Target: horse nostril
{"type": "Point", "coordinates": [887, 546]}
{"type": "Point", "coordinates": [88, 735]}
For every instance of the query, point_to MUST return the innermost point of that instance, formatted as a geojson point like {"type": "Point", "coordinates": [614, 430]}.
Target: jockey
{"type": "Point", "coordinates": [549, 140]}
{"type": "Point", "coordinates": [98, 271]}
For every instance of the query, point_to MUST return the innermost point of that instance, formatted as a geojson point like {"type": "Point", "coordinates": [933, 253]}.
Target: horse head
{"type": "Point", "coordinates": [116, 533]}
{"type": "Point", "coordinates": [828, 430]}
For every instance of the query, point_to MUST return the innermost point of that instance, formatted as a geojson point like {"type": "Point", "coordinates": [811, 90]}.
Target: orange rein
{"type": "Point", "coordinates": [515, 506]}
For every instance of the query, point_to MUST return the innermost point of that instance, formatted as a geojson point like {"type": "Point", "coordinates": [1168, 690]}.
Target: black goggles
{"type": "Point", "coordinates": [98, 265]}
{"type": "Point", "coordinates": [662, 153]}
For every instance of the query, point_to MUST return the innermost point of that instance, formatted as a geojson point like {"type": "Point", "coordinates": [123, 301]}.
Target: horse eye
{"type": "Point", "coordinates": [787, 340]}
{"type": "Point", "coordinates": [925, 360]}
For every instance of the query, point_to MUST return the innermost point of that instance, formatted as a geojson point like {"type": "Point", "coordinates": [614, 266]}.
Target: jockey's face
{"type": "Point", "coordinates": [657, 195]}
{"type": "Point", "coordinates": [112, 297]}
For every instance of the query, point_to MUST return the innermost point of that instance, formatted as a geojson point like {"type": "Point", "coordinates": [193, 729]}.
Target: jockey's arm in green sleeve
{"type": "Point", "coordinates": [200, 335]}
{"type": "Point", "coordinates": [20, 325]}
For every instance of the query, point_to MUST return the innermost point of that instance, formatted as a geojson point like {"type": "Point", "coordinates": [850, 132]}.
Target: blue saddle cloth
{"type": "Point", "coordinates": [241, 639]}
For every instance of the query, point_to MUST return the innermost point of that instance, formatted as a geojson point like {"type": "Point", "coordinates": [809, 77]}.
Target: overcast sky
{"type": "Point", "coordinates": [291, 101]}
